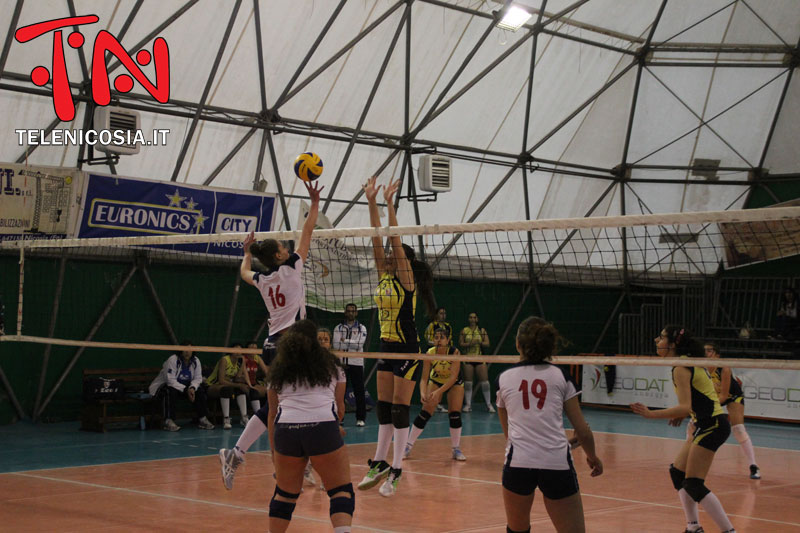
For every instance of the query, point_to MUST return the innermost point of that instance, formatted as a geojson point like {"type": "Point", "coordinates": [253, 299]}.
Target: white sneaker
{"type": "Point", "coordinates": [308, 475]}
{"type": "Point", "coordinates": [389, 486]}
{"type": "Point", "coordinates": [490, 408]}
{"type": "Point", "coordinates": [360, 423]}
{"type": "Point", "coordinates": [407, 451]}
{"type": "Point", "coordinates": [377, 471]}
{"type": "Point", "coordinates": [170, 425]}
{"type": "Point", "coordinates": [466, 409]}
{"type": "Point", "coordinates": [226, 423]}
{"type": "Point", "coordinates": [205, 423]}
{"type": "Point", "coordinates": [458, 456]}
{"type": "Point", "coordinates": [245, 419]}
{"type": "Point", "coordinates": [229, 462]}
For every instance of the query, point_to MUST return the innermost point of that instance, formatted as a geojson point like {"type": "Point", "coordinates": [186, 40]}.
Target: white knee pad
{"type": "Point", "coordinates": [740, 433]}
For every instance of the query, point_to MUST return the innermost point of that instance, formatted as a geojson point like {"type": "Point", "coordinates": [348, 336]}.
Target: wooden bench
{"type": "Point", "coordinates": [139, 404]}
{"type": "Point", "coordinates": [135, 381]}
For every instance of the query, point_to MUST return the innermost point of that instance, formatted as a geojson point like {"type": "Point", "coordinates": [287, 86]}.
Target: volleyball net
{"type": "Point", "coordinates": [154, 292]}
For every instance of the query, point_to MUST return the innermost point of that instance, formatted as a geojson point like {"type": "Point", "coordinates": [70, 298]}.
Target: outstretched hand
{"type": "Point", "coordinates": [641, 409]}
{"type": "Point", "coordinates": [390, 190]}
{"type": "Point", "coordinates": [250, 239]}
{"type": "Point", "coordinates": [314, 191]}
{"type": "Point", "coordinates": [371, 189]}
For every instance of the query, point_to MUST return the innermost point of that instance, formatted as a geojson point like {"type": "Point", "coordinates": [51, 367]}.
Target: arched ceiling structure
{"type": "Point", "coordinates": [594, 107]}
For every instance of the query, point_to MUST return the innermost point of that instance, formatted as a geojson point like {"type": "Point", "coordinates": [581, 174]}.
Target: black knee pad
{"type": "Point", "coordinates": [281, 509]}
{"type": "Point", "coordinates": [384, 410]}
{"type": "Point", "coordinates": [422, 419]}
{"type": "Point", "coordinates": [343, 504]}
{"type": "Point", "coordinates": [509, 530]}
{"type": "Point", "coordinates": [253, 395]}
{"type": "Point", "coordinates": [263, 414]}
{"type": "Point", "coordinates": [400, 418]}
{"type": "Point", "coordinates": [696, 488]}
{"type": "Point", "coordinates": [455, 420]}
{"type": "Point", "coordinates": [677, 477]}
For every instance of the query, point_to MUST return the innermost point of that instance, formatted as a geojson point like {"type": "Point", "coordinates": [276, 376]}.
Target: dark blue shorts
{"type": "Point", "coordinates": [307, 439]}
{"type": "Point", "coordinates": [403, 368]}
{"type": "Point", "coordinates": [554, 484]}
{"type": "Point", "coordinates": [270, 349]}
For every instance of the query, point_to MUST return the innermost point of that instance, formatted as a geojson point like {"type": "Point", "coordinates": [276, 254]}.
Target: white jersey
{"type": "Point", "coordinates": [284, 293]}
{"type": "Point", "coordinates": [299, 404]}
{"type": "Point", "coordinates": [534, 396]}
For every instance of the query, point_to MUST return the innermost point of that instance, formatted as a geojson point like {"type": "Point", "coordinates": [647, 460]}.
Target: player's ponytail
{"type": "Point", "coordinates": [265, 252]}
{"type": "Point", "coordinates": [684, 341]}
{"type": "Point", "coordinates": [423, 280]}
{"type": "Point", "coordinates": [537, 340]}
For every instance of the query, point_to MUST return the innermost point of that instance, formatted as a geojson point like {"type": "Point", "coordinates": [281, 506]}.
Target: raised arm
{"type": "Point", "coordinates": [371, 189]}
{"type": "Point", "coordinates": [245, 269]}
{"type": "Point", "coordinates": [311, 220]}
{"type": "Point", "coordinates": [404, 272]}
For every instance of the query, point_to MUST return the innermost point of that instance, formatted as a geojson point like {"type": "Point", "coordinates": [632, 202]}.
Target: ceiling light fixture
{"type": "Point", "coordinates": [514, 18]}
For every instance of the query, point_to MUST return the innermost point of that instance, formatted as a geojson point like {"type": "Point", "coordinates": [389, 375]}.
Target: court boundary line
{"type": "Point", "coordinates": [354, 444]}
{"type": "Point", "coordinates": [354, 465]}
{"type": "Point", "coordinates": [613, 498]}
{"type": "Point", "coordinates": [186, 499]}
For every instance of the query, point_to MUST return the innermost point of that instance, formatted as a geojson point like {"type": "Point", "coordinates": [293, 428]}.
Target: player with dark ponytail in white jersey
{"type": "Point", "coordinates": [282, 290]}
{"type": "Point", "coordinates": [532, 397]}
{"type": "Point", "coordinates": [306, 396]}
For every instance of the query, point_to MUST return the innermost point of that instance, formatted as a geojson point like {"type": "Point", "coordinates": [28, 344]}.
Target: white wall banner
{"type": "Point", "coordinates": [38, 202]}
{"type": "Point", "coordinates": [771, 393]}
{"type": "Point", "coordinates": [650, 385]}
{"type": "Point", "coordinates": [768, 393]}
{"type": "Point", "coordinates": [337, 271]}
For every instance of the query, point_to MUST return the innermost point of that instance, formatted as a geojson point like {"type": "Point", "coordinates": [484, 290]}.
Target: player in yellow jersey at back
{"type": "Point", "coordinates": [440, 377]}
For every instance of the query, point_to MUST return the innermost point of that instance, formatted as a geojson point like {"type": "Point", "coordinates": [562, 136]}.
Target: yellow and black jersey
{"type": "Point", "coordinates": [396, 307]}
{"type": "Point", "coordinates": [433, 326]}
{"type": "Point", "coordinates": [441, 370]}
{"type": "Point", "coordinates": [735, 389]}
{"type": "Point", "coordinates": [231, 370]}
{"type": "Point", "coordinates": [705, 402]}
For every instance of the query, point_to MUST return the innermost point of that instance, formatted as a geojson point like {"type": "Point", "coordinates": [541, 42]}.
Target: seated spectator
{"type": "Point", "coordinates": [254, 373]}
{"type": "Point", "coordinates": [223, 384]}
{"type": "Point", "coordinates": [786, 321]}
{"type": "Point", "coordinates": [181, 376]}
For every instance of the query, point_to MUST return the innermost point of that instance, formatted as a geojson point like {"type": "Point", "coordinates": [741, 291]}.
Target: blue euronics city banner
{"type": "Point", "coordinates": [129, 207]}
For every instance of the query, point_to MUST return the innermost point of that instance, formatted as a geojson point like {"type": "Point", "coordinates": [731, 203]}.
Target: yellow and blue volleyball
{"type": "Point", "coordinates": [308, 166]}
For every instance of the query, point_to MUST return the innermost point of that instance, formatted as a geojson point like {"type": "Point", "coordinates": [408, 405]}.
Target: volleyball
{"type": "Point", "coordinates": [308, 166]}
